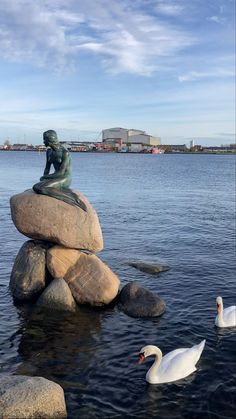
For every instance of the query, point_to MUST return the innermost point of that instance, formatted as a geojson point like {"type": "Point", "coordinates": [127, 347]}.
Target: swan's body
{"type": "Point", "coordinates": [173, 366]}
{"type": "Point", "coordinates": [225, 317]}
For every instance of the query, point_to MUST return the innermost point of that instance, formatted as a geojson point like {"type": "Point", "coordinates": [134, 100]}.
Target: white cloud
{"type": "Point", "coordinates": [68, 17]}
{"type": "Point", "coordinates": [170, 9]}
{"type": "Point", "coordinates": [123, 35]}
{"type": "Point", "coordinates": [225, 134]}
{"type": "Point", "coordinates": [137, 45]}
{"type": "Point", "coordinates": [195, 75]}
{"type": "Point", "coordinates": [217, 19]}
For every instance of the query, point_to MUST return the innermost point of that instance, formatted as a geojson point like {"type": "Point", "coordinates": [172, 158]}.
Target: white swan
{"type": "Point", "coordinates": [225, 317]}
{"type": "Point", "coordinates": [173, 366]}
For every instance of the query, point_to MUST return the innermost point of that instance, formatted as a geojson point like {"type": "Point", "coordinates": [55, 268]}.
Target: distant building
{"type": "Point", "coordinates": [197, 148]}
{"type": "Point", "coordinates": [222, 149]}
{"type": "Point", "coordinates": [19, 147]}
{"type": "Point", "coordinates": [191, 144]}
{"type": "Point", "coordinates": [129, 136]}
{"type": "Point", "coordinates": [135, 148]}
{"type": "Point", "coordinates": [177, 148]}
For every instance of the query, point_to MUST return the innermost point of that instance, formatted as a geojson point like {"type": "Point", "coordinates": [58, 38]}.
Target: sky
{"type": "Point", "coordinates": [163, 66]}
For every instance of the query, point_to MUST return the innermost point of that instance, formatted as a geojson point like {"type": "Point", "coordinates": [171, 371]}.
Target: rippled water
{"type": "Point", "coordinates": [174, 209]}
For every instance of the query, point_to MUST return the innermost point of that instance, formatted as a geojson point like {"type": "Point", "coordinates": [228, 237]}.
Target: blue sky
{"type": "Point", "coordinates": [76, 66]}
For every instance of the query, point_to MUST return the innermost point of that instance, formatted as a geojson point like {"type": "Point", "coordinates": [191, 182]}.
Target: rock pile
{"type": "Point", "coordinates": [59, 264]}
{"type": "Point", "coordinates": [59, 269]}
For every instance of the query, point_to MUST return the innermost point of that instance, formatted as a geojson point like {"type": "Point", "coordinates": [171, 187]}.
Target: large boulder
{"type": "Point", "coordinates": [28, 276]}
{"type": "Point", "coordinates": [31, 398]}
{"type": "Point", "coordinates": [90, 280]}
{"type": "Point", "coordinates": [137, 301]}
{"type": "Point", "coordinates": [46, 218]}
{"type": "Point", "coordinates": [57, 296]}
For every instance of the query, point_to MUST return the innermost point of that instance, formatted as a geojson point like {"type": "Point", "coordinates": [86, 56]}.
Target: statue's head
{"type": "Point", "coordinates": [50, 137]}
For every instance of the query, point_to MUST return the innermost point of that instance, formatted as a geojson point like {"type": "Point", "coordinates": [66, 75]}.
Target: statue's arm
{"type": "Point", "coordinates": [47, 167]}
{"type": "Point", "coordinates": [48, 164]}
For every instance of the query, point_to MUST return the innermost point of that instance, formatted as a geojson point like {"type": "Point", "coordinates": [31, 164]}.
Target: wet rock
{"type": "Point", "coordinates": [31, 397]}
{"type": "Point", "coordinates": [28, 276]}
{"type": "Point", "coordinates": [149, 267]}
{"type": "Point", "coordinates": [60, 260]}
{"type": "Point", "coordinates": [46, 218]}
{"type": "Point", "coordinates": [137, 301]}
{"type": "Point", "coordinates": [91, 281]}
{"type": "Point", "coordinates": [57, 296]}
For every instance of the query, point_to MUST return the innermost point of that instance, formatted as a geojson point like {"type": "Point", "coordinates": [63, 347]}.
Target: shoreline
{"type": "Point", "coordinates": [233, 152]}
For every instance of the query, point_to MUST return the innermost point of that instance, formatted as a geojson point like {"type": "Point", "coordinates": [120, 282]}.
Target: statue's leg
{"type": "Point", "coordinates": [67, 196]}
{"type": "Point", "coordinates": [38, 187]}
{"type": "Point", "coordinates": [54, 188]}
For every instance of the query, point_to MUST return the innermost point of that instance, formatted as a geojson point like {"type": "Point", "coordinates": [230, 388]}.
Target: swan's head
{"type": "Point", "coordinates": [147, 351]}
{"type": "Point", "coordinates": [219, 304]}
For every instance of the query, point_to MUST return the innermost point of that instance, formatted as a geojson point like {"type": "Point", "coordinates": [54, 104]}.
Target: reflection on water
{"type": "Point", "coordinates": [62, 337]}
{"type": "Point", "coordinates": [176, 210]}
{"type": "Point", "coordinates": [225, 332]}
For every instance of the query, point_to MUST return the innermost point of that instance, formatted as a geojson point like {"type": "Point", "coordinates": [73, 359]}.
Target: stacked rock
{"type": "Point", "coordinates": [59, 266]}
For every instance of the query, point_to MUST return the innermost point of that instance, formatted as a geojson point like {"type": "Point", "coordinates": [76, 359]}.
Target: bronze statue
{"type": "Point", "coordinates": [57, 184]}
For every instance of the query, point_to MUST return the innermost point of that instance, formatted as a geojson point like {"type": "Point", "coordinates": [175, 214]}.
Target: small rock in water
{"type": "Point", "coordinates": [57, 296]}
{"type": "Point", "coordinates": [149, 267]}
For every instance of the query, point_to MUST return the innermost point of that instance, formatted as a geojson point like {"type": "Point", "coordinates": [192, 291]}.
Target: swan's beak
{"type": "Point", "coordinates": [218, 308]}
{"type": "Point", "coordinates": [141, 357]}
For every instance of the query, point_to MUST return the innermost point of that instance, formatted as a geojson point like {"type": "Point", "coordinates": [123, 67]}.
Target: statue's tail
{"type": "Point", "coordinates": [65, 195]}
{"type": "Point", "coordinates": [81, 204]}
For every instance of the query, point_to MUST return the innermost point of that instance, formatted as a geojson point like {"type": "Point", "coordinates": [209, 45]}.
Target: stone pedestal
{"type": "Point", "coordinates": [41, 217]}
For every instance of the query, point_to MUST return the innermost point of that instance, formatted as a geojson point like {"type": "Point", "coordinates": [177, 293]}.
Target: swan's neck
{"type": "Point", "coordinates": [220, 320]}
{"type": "Point", "coordinates": [152, 373]}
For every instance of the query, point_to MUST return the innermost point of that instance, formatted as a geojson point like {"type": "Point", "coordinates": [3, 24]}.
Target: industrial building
{"type": "Point", "coordinates": [128, 137]}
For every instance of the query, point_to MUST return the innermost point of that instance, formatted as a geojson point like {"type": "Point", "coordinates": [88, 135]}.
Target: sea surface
{"type": "Point", "coordinates": [174, 209]}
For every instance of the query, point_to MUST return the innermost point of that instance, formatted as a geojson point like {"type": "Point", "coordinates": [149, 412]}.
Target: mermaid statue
{"type": "Point", "coordinates": [57, 184]}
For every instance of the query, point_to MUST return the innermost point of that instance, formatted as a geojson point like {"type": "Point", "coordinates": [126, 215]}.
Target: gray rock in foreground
{"type": "Point", "coordinates": [31, 397]}
{"type": "Point", "coordinates": [149, 267]}
{"type": "Point", "coordinates": [137, 301]}
{"type": "Point", "coordinates": [28, 276]}
{"type": "Point", "coordinates": [57, 296]}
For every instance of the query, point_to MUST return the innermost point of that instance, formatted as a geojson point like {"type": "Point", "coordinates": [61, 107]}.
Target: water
{"type": "Point", "coordinates": [175, 209]}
